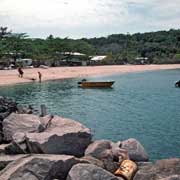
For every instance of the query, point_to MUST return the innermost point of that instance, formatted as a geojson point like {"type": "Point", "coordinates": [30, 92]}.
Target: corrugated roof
{"type": "Point", "coordinates": [73, 53]}
{"type": "Point", "coordinates": [98, 58]}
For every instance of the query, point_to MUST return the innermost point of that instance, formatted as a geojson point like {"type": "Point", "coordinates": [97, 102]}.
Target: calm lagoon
{"type": "Point", "coordinates": [145, 106]}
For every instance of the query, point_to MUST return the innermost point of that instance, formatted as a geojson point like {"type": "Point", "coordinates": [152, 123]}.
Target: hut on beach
{"type": "Point", "coordinates": [95, 60]}
{"type": "Point", "coordinates": [24, 62]}
{"type": "Point", "coordinates": [72, 59]}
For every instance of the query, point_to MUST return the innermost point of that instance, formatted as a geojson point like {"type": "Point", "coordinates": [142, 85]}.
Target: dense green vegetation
{"type": "Point", "coordinates": [159, 47]}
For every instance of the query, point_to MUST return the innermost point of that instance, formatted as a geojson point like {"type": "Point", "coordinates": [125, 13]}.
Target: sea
{"type": "Point", "coordinates": [144, 105]}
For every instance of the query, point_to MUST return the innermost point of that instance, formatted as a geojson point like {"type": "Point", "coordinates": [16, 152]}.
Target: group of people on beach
{"type": "Point", "coordinates": [21, 73]}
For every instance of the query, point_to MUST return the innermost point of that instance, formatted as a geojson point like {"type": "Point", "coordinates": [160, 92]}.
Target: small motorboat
{"type": "Point", "coordinates": [95, 84]}
{"type": "Point", "coordinates": [177, 83]}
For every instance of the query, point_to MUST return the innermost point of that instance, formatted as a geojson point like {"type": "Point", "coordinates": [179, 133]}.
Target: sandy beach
{"type": "Point", "coordinates": [10, 77]}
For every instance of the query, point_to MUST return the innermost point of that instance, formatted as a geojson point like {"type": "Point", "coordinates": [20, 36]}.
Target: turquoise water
{"type": "Point", "coordinates": [145, 106]}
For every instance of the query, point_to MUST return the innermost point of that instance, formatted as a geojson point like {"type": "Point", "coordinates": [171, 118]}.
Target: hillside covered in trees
{"type": "Point", "coordinates": [158, 47]}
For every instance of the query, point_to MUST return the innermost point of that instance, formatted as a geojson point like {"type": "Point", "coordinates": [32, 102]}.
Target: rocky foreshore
{"type": "Point", "coordinates": [52, 147]}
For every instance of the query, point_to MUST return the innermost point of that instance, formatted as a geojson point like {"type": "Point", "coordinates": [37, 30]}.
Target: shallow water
{"type": "Point", "coordinates": [145, 106]}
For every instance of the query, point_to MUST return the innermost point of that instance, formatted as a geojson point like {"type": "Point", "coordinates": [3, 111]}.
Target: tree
{"type": "Point", "coordinates": [15, 45]}
{"type": "Point", "coordinates": [4, 32]}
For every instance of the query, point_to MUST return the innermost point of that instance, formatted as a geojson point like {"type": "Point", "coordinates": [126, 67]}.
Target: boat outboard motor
{"type": "Point", "coordinates": [177, 84]}
{"type": "Point", "coordinates": [83, 80]}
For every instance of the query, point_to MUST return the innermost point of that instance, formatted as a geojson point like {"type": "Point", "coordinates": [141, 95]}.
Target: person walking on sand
{"type": "Point", "coordinates": [40, 76]}
{"type": "Point", "coordinates": [20, 71]}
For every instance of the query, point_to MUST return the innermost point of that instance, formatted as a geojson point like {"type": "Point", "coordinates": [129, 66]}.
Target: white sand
{"type": "Point", "coordinates": [9, 77]}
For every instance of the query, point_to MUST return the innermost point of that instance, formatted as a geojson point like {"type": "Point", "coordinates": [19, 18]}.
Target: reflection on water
{"type": "Point", "coordinates": [140, 105]}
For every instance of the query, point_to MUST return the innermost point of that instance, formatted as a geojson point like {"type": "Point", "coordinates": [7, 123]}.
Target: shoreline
{"type": "Point", "coordinates": [10, 77]}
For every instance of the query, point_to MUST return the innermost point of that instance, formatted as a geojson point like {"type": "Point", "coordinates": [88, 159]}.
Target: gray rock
{"type": "Point", "coordinates": [108, 161]}
{"type": "Point", "coordinates": [7, 106]}
{"type": "Point", "coordinates": [18, 144]}
{"type": "Point", "coordinates": [143, 164]}
{"type": "Point", "coordinates": [19, 123]}
{"type": "Point", "coordinates": [173, 177]}
{"type": "Point", "coordinates": [97, 148]}
{"type": "Point", "coordinates": [61, 136]}
{"type": "Point", "coordinates": [135, 150]}
{"type": "Point", "coordinates": [167, 167]}
{"type": "Point", "coordinates": [13, 149]}
{"type": "Point", "coordinates": [24, 109]}
{"type": "Point", "coordinates": [3, 115]}
{"type": "Point", "coordinates": [145, 172]}
{"type": "Point", "coordinates": [6, 159]}
{"type": "Point", "coordinates": [119, 154]}
{"type": "Point", "coordinates": [161, 170]}
{"type": "Point", "coordinates": [2, 109]}
{"type": "Point", "coordinates": [108, 152]}
{"type": "Point", "coordinates": [39, 167]}
{"type": "Point", "coordinates": [2, 148]}
{"type": "Point", "coordinates": [92, 160]}
{"type": "Point", "coordinates": [102, 150]}
{"type": "Point", "coordinates": [118, 143]}
{"type": "Point", "coordinates": [1, 137]}
{"type": "Point", "coordinates": [89, 172]}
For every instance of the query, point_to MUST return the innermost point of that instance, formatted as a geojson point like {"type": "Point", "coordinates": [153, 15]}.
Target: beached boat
{"type": "Point", "coordinates": [93, 84]}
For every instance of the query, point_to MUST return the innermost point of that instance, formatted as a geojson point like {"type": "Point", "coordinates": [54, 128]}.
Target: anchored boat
{"type": "Point", "coordinates": [177, 84]}
{"type": "Point", "coordinates": [94, 84]}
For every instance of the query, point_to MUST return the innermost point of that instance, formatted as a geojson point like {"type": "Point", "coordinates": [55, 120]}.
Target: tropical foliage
{"type": "Point", "coordinates": [157, 47]}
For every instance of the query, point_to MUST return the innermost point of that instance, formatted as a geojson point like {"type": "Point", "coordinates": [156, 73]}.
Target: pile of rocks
{"type": "Point", "coordinates": [7, 106]}
{"type": "Point", "coordinates": [52, 147]}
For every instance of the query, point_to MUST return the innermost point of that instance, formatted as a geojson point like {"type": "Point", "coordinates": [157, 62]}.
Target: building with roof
{"type": "Point", "coordinates": [97, 59]}
{"type": "Point", "coordinates": [72, 59]}
{"type": "Point", "coordinates": [24, 62]}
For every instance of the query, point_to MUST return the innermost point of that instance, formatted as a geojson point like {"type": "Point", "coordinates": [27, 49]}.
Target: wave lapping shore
{"type": "Point", "coordinates": [52, 147]}
{"type": "Point", "coordinates": [9, 77]}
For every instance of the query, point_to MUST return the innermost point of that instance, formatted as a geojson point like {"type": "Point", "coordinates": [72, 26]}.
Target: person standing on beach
{"type": "Point", "coordinates": [20, 71]}
{"type": "Point", "coordinates": [40, 76]}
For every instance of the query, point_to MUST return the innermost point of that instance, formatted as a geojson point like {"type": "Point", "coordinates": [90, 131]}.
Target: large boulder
{"type": "Point", "coordinates": [101, 148]}
{"type": "Point", "coordinates": [60, 136]}
{"type": "Point", "coordinates": [108, 152]}
{"type": "Point", "coordinates": [167, 169]}
{"type": "Point", "coordinates": [97, 148]}
{"type": "Point", "coordinates": [92, 160]}
{"type": "Point", "coordinates": [15, 123]}
{"type": "Point", "coordinates": [119, 154]}
{"type": "Point", "coordinates": [135, 150]}
{"type": "Point", "coordinates": [89, 172]}
{"type": "Point", "coordinates": [17, 145]}
{"type": "Point", "coordinates": [1, 136]}
{"type": "Point", "coordinates": [39, 167]}
{"type": "Point", "coordinates": [6, 159]}
{"type": "Point", "coordinates": [3, 115]}
{"type": "Point", "coordinates": [7, 105]}
{"type": "Point", "coordinates": [3, 148]}
{"type": "Point", "coordinates": [173, 177]}
{"type": "Point", "coordinates": [21, 109]}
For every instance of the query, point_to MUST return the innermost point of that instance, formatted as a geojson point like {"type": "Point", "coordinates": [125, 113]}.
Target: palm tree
{"type": "Point", "coordinates": [4, 32]}
{"type": "Point", "coordinates": [16, 45]}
